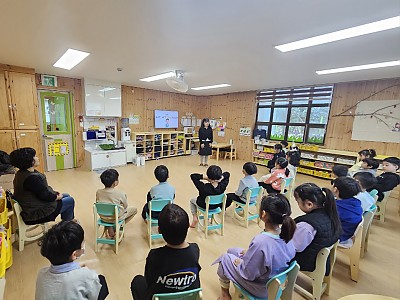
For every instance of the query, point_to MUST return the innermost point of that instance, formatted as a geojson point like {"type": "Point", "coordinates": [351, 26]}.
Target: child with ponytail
{"type": "Point", "coordinates": [269, 253]}
{"type": "Point", "coordinates": [273, 182]}
{"type": "Point", "coordinates": [318, 228]}
{"type": "Point", "coordinates": [363, 154]}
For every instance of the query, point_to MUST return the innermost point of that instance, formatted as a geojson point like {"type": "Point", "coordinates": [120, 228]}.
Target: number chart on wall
{"type": "Point", "coordinates": [377, 121]}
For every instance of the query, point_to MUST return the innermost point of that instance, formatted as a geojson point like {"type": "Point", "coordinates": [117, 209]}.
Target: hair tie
{"type": "Point", "coordinates": [284, 215]}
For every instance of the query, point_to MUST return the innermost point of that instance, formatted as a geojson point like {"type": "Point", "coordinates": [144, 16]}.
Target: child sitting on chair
{"type": "Point", "coordinates": [174, 267]}
{"type": "Point", "coordinates": [65, 279]}
{"type": "Point", "coordinates": [366, 181]}
{"type": "Point", "coordinates": [269, 253]}
{"type": "Point", "coordinates": [272, 182]}
{"type": "Point", "coordinates": [111, 195]}
{"type": "Point", "coordinates": [216, 185]}
{"type": "Point", "coordinates": [248, 181]}
{"type": "Point", "coordinates": [163, 190]}
{"type": "Point", "coordinates": [318, 228]}
{"type": "Point", "coordinates": [388, 180]}
{"type": "Point", "coordinates": [349, 208]}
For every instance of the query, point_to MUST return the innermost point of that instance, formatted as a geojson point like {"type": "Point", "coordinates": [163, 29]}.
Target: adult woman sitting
{"type": "Point", "coordinates": [39, 202]}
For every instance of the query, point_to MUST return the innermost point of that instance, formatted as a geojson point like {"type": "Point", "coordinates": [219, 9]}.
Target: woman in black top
{"type": "Point", "coordinates": [206, 139]}
{"type": "Point", "coordinates": [39, 202]}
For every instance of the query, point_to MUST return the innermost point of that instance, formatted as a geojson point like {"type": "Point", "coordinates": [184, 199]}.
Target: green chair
{"type": "Point", "coordinates": [368, 217]}
{"type": "Point", "coordinates": [206, 217]}
{"type": "Point", "coordinates": [154, 206]}
{"type": "Point", "coordinates": [374, 194]}
{"type": "Point", "coordinates": [187, 295]}
{"type": "Point", "coordinates": [107, 210]}
{"type": "Point", "coordinates": [245, 207]}
{"type": "Point", "coordinates": [279, 287]}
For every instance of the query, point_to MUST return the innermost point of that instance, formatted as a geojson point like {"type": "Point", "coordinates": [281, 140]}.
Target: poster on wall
{"type": "Point", "coordinates": [245, 131]}
{"type": "Point", "coordinates": [134, 119]}
{"type": "Point", "coordinates": [377, 121]}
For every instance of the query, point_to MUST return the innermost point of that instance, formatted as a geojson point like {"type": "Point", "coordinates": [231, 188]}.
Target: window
{"type": "Point", "coordinates": [299, 114]}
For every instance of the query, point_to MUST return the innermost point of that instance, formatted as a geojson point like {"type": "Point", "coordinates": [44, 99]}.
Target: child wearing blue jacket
{"type": "Point", "coordinates": [348, 207]}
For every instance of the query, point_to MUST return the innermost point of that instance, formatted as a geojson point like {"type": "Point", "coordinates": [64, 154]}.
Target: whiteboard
{"type": "Point", "coordinates": [377, 121]}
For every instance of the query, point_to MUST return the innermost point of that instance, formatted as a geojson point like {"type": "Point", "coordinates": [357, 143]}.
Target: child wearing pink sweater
{"type": "Point", "coordinates": [273, 182]}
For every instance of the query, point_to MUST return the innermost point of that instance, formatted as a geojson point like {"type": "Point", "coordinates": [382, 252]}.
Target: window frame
{"type": "Point", "coordinates": [270, 98]}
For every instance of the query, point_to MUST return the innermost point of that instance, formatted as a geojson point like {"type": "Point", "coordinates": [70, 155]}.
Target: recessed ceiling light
{"type": "Point", "coordinates": [158, 77]}
{"type": "Point", "coordinates": [210, 87]}
{"type": "Point", "coordinates": [70, 59]}
{"type": "Point", "coordinates": [342, 34]}
{"type": "Point", "coordinates": [361, 67]}
{"type": "Point", "coordinates": [107, 89]}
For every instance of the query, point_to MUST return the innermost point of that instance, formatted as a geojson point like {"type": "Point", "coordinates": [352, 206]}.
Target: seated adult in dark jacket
{"type": "Point", "coordinates": [39, 202]}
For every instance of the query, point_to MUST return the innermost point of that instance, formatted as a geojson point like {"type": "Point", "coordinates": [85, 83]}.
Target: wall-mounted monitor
{"type": "Point", "coordinates": [165, 119]}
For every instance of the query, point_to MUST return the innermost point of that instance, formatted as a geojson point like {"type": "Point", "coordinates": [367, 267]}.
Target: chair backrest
{"type": "Point", "coordinates": [254, 192]}
{"type": "Point", "coordinates": [194, 294]}
{"type": "Point", "coordinates": [374, 194]}
{"type": "Point", "coordinates": [106, 209]}
{"type": "Point", "coordinates": [216, 199]}
{"type": "Point", "coordinates": [281, 285]}
{"type": "Point", "coordinates": [17, 209]}
{"type": "Point", "coordinates": [368, 217]}
{"type": "Point", "coordinates": [158, 205]}
{"type": "Point", "coordinates": [286, 184]}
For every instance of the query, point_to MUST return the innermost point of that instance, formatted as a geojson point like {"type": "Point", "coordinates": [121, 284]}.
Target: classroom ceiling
{"type": "Point", "coordinates": [213, 41]}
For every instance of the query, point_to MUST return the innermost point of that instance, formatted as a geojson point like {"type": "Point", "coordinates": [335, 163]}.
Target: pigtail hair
{"type": "Point", "coordinates": [331, 210]}
{"type": "Point", "coordinates": [288, 228]}
{"type": "Point", "coordinates": [287, 172]}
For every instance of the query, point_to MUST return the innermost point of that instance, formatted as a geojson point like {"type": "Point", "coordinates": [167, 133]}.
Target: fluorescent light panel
{"type": "Point", "coordinates": [210, 87]}
{"type": "Point", "coordinates": [361, 67]}
{"type": "Point", "coordinates": [342, 34]}
{"type": "Point", "coordinates": [70, 59]}
{"type": "Point", "coordinates": [159, 77]}
{"type": "Point", "coordinates": [107, 89]}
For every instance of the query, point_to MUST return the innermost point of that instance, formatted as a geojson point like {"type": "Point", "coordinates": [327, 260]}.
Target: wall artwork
{"type": "Point", "coordinates": [377, 121]}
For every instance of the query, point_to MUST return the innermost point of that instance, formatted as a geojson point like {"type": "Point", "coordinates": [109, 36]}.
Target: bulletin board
{"type": "Point", "coordinates": [58, 149]}
{"type": "Point", "coordinates": [377, 121]}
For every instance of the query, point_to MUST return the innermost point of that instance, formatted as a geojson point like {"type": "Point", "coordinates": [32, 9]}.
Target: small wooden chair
{"type": "Point", "coordinates": [195, 294]}
{"type": "Point", "coordinates": [279, 287]}
{"type": "Point", "coordinates": [207, 216]}
{"type": "Point", "coordinates": [154, 206]}
{"type": "Point", "coordinates": [245, 208]}
{"type": "Point", "coordinates": [368, 217]}
{"type": "Point", "coordinates": [228, 154]}
{"type": "Point", "coordinates": [354, 252]}
{"type": "Point", "coordinates": [107, 210]}
{"type": "Point", "coordinates": [382, 206]}
{"type": "Point", "coordinates": [24, 229]}
{"type": "Point", "coordinates": [320, 283]}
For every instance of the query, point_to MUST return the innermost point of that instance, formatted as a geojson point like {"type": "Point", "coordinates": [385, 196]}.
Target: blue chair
{"type": "Point", "coordinates": [107, 210]}
{"type": "Point", "coordinates": [368, 217]}
{"type": "Point", "coordinates": [206, 217]}
{"type": "Point", "coordinates": [279, 287]}
{"type": "Point", "coordinates": [187, 295]}
{"type": "Point", "coordinates": [154, 206]}
{"type": "Point", "coordinates": [374, 194]}
{"type": "Point", "coordinates": [245, 208]}
{"type": "Point", "coordinates": [287, 185]}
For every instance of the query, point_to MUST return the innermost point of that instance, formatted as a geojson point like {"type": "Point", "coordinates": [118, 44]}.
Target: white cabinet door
{"type": "Point", "coordinates": [112, 102]}
{"type": "Point", "coordinates": [100, 160]}
{"type": "Point", "coordinates": [117, 158]}
{"type": "Point", "coordinates": [94, 100]}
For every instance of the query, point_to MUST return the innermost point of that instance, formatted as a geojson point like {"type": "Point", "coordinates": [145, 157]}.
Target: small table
{"type": "Point", "coordinates": [367, 297]}
{"type": "Point", "coordinates": [221, 145]}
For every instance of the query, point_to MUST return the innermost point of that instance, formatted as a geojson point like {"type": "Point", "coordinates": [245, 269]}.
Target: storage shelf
{"type": "Point", "coordinates": [315, 167]}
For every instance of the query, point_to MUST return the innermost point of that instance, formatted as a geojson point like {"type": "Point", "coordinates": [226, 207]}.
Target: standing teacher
{"type": "Point", "coordinates": [205, 138]}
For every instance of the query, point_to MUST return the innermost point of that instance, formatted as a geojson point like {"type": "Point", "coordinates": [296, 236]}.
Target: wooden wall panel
{"type": "Point", "coordinates": [74, 86]}
{"type": "Point", "coordinates": [143, 102]}
{"type": "Point", "coordinates": [237, 110]}
{"type": "Point", "coordinates": [347, 95]}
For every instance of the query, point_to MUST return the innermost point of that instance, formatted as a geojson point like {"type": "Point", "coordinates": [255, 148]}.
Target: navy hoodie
{"type": "Point", "coordinates": [350, 215]}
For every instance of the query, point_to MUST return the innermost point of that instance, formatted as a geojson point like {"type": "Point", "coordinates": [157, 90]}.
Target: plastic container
{"type": "Point", "coordinates": [9, 248]}
{"type": "Point", "coordinates": [3, 255]}
{"type": "Point", "coordinates": [3, 211]}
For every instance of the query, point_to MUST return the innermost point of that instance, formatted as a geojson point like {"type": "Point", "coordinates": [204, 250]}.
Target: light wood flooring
{"type": "Point", "coordinates": [379, 270]}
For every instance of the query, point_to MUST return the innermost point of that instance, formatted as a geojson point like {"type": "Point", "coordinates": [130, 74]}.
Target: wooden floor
{"type": "Point", "coordinates": [379, 270]}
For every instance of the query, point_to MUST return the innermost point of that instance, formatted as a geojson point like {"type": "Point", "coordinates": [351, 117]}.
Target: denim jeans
{"type": "Point", "coordinates": [67, 208]}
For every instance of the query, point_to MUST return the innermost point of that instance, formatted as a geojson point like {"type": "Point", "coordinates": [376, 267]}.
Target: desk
{"type": "Point", "coordinates": [367, 297]}
{"type": "Point", "coordinates": [221, 145]}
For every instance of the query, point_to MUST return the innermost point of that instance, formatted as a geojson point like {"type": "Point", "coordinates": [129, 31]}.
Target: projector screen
{"type": "Point", "coordinates": [165, 119]}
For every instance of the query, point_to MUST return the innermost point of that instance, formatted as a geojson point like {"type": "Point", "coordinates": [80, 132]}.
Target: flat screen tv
{"type": "Point", "coordinates": [165, 119]}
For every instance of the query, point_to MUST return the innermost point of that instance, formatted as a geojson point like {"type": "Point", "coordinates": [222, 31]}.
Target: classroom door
{"type": "Point", "coordinates": [57, 123]}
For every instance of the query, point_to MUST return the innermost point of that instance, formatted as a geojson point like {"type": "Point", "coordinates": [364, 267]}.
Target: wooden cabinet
{"type": "Point", "coordinates": [7, 140]}
{"type": "Point", "coordinates": [23, 100]}
{"type": "Point", "coordinates": [18, 101]}
{"type": "Point", "coordinates": [28, 138]}
{"type": "Point", "coordinates": [6, 117]}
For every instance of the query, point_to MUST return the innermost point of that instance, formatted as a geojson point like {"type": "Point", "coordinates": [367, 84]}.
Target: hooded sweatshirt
{"type": "Point", "coordinates": [350, 215]}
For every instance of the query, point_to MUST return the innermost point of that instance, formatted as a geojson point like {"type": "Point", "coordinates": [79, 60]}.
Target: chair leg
{"type": "Point", "coordinates": [116, 239]}
{"type": "Point", "coordinates": [21, 242]}
{"type": "Point", "coordinates": [327, 281]}
{"type": "Point", "coordinates": [316, 289]}
{"type": "Point", "coordinates": [354, 265]}
{"type": "Point", "coordinates": [96, 245]}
